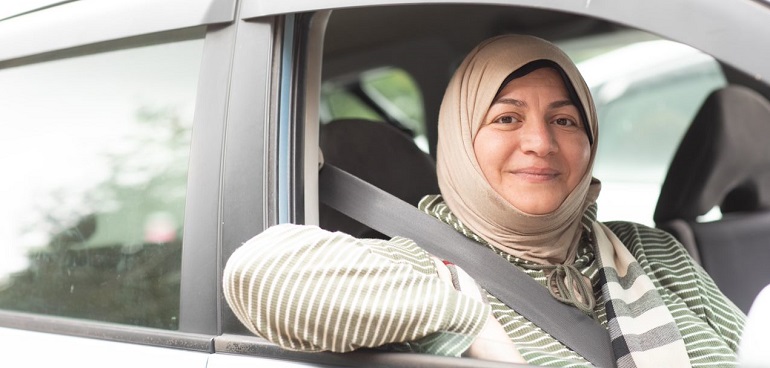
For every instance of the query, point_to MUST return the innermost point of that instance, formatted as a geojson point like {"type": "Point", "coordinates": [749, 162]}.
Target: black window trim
{"type": "Point", "coordinates": [247, 190]}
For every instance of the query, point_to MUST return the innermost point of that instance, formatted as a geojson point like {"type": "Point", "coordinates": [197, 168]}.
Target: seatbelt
{"type": "Point", "coordinates": [391, 216]}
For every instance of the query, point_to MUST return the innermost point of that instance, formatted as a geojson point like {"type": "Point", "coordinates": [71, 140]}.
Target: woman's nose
{"type": "Point", "coordinates": [537, 137]}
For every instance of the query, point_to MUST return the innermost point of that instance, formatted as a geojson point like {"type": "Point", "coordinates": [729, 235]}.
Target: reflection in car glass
{"type": "Point", "coordinates": [95, 152]}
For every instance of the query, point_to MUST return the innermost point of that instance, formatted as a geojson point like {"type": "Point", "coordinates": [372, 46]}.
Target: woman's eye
{"type": "Point", "coordinates": [565, 122]}
{"type": "Point", "coordinates": [507, 119]}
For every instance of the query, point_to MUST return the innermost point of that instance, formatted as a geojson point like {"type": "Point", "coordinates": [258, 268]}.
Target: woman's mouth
{"type": "Point", "coordinates": [536, 174]}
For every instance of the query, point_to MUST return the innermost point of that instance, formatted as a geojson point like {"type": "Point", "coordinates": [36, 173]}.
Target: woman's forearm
{"type": "Point", "coordinates": [305, 288]}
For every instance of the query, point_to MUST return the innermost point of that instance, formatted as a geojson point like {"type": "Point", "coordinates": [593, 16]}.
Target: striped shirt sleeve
{"type": "Point", "coordinates": [308, 289]}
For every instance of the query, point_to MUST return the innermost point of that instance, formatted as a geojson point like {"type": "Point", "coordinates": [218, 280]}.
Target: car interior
{"type": "Point", "coordinates": [723, 161]}
{"type": "Point", "coordinates": [711, 169]}
{"type": "Point", "coordinates": [380, 154]}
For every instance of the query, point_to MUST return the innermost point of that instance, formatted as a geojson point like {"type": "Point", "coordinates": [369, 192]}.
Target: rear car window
{"type": "Point", "coordinates": [94, 151]}
{"type": "Point", "coordinates": [386, 94]}
{"type": "Point", "coordinates": [647, 92]}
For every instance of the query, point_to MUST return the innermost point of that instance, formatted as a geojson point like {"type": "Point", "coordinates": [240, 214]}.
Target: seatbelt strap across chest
{"type": "Point", "coordinates": [390, 215]}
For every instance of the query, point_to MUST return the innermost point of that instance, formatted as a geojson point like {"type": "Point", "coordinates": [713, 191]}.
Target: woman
{"type": "Point", "coordinates": [517, 140]}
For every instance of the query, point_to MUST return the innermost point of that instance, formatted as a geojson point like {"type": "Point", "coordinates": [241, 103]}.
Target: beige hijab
{"type": "Point", "coordinates": [545, 239]}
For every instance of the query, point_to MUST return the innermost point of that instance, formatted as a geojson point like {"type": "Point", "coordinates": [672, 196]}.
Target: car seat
{"type": "Point", "coordinates": [724, 160]}
{"type": "Point", "coordinates": [381, 155]}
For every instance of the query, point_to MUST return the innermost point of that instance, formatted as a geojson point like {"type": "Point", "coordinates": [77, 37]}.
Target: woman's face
{"type": "Point", "coordinates": [532, 147]}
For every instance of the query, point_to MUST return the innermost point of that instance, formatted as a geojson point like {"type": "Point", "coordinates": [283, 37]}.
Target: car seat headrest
{"type": "Point", "coordinates": [723, 159]}
{"type": "Point", "coordinates": [381, 155]}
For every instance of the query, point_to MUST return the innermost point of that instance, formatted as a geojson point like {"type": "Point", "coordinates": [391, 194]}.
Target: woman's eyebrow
{"type": "Point", "coordinates": [519, 103]}
{"type": "Point", "coordinates": [510, 101]}
{"type": "Point", "coordinates": [558, 104]}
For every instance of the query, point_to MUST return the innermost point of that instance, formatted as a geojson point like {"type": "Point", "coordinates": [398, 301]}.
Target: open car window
{"type": "Point", "coordinates": [647, 91]}
{"type": "Point", "coordinates": [385, 94]}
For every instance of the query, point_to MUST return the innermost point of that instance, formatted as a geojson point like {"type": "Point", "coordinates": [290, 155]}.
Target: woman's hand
{"type": "Point", "coordinates": [493, 343]}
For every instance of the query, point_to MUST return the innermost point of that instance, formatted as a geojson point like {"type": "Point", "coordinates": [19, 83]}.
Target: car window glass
{"type": "Point", "coordinates": [339, 103]}
{"type": "Point", "coordinates": [94, 151]}
{"type": "Point", "coordinates": [382, 94]}
{"type": "Point", "coordinates": [647, 92]}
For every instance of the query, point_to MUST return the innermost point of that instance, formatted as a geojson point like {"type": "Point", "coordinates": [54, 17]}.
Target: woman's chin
{"type": "Point", "coordinates": [534, 206]}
